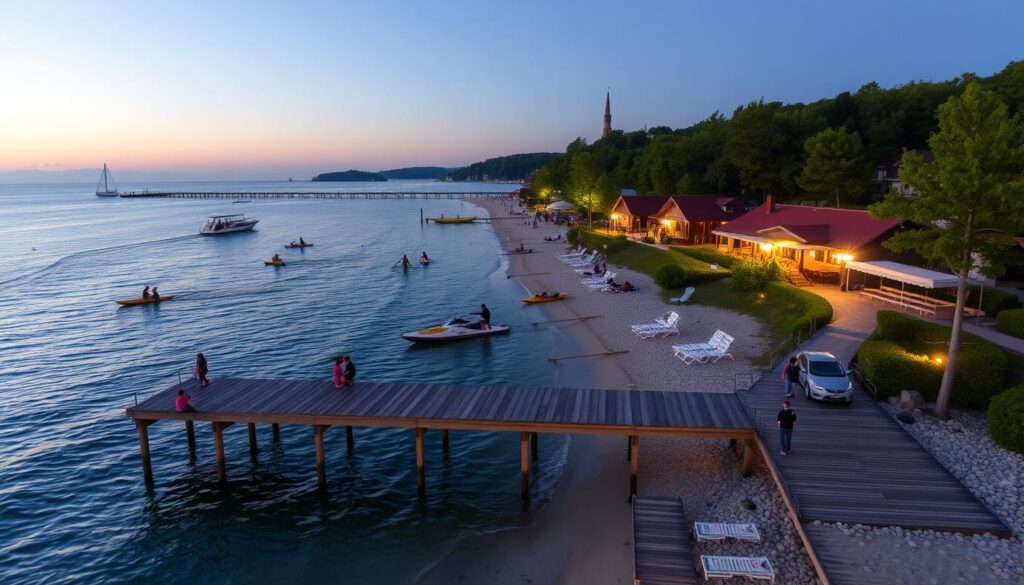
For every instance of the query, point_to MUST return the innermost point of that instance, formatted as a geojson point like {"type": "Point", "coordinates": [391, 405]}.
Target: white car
{"type": "Point", "coordinates": [823, 377]}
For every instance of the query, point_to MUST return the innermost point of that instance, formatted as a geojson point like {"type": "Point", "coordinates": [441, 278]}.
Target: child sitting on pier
{"type": "Point", "coordinates": [183, 403]}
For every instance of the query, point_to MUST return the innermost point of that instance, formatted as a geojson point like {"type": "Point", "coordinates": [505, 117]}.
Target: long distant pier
{"type": "Point", "coordinates": [315, 195]}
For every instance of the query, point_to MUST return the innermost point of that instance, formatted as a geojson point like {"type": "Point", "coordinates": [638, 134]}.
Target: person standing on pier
{"type": "Point", "coordinates": [791, 376]}
{"type": "Point", "coordinates": [338, 377]}
{"type": "Point", "coordinates": [348, 371]}
{"type": "Point", "coordinates": [786, 420]}
{"type": "Point", "coordinates": [201, 370]}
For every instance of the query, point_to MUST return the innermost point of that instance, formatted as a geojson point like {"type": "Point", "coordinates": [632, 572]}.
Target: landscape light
{"type": "Point", "coordinates": [767, 247]}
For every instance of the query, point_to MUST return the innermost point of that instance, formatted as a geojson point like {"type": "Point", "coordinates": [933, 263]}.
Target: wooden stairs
{"type": "Point", "coordinates": [794, 276]}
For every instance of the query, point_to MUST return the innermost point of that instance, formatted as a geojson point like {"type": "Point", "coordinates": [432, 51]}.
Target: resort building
{"type": "Point", "coordinates": [887, 173]}
{"type": "Point", "coordinates": [692, 219]}
{"type": "Point", "coordinates": [631, 213]}
{"type": "Point", "coordinates": [811, 243]}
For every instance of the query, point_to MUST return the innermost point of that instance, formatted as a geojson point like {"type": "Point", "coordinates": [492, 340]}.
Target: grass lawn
{"type": "Point", "coordinates": [784, 310]}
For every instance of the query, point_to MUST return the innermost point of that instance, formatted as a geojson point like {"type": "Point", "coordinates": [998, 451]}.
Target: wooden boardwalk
{"type": "Point", "coordinates": [661, 543]}
{"type": "Point", "coordinates": [852, 463]}
{"type": "Point", "coordinates": [524, 409]}
{"type": "Point", "coordinates": [315, 195]}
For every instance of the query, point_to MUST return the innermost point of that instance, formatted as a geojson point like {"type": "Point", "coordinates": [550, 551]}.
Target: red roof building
{"type": "Point", "coordinates": [692, 219]}
{"type": "Point", "coordinates": [631, 212]}
{"type": "Point", "coordinates": [816, 239]}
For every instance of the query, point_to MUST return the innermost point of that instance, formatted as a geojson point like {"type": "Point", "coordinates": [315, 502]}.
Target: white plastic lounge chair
{"type": "Point", "coordinates": [715, 567]}
{"type": "Point", "coordinates": [669, 325]}
{"type": "Point", "coordinates": [579, 251]}
{"type": "Point", "coordinates": [597, 282]}
{"type": "Point", "coordinates": [575, 257]}
{"type": "Point", "coordinates": [721, 530]}
{"type": "Point", "coordinates": [584, 261]}
{"type": "Point", "coordinates": [715, 349]}
{"type": "Point", "coordinates": [683, 297]}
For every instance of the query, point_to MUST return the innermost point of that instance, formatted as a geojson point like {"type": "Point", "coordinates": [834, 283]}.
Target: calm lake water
{"type": "Point", "coordinates": [73, 505]}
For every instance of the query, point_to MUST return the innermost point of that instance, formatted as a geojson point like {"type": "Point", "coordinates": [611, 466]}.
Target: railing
{"type": "Point", "coordinates": [778, 353]}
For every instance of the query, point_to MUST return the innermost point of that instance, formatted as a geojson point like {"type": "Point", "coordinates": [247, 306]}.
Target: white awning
{"type": "Point", "coordinates": [560, 206]}
{"type": "Point", "coordinates": [914, 275]}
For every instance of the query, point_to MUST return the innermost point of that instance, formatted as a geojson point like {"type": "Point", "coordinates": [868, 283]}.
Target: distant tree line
{"type": "Point", "coordinates": [504, 168]}
{"type": "Point", "coordinates": [825, 150]}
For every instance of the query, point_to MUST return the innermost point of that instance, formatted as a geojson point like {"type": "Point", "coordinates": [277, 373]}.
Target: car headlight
{"type": "Point", "coordinates": [815, 386]}
{"type": "Point", "coordinates": [849, 386]}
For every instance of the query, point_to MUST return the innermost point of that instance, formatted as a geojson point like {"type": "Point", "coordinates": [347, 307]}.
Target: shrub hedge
{"type": "Point", "coordinates": [1011, 322]}
{"type": "Point", "coordinates": [1006, 419]}
{"type": "Point", "coordinates": [710, 255]}
{"type": "Point", "coordinates": [674, 276]}
{"type": "Point", "coordinates": [899, 356]}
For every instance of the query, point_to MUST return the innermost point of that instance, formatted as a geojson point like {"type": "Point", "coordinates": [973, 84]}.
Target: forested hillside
{"type": "Point", "coordinates": [825, 149]}
{"type": "Point", "coordinates": [504, 168]}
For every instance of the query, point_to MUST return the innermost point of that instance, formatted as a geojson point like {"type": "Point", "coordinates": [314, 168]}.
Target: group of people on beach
{"type": "Point", "coordinates": [150, 294]}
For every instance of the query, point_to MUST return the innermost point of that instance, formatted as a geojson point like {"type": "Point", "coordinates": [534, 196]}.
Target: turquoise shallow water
{"type": "Point", "coordinates": [73, 507]}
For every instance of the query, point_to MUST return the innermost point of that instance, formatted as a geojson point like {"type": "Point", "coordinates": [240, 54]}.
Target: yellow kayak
{"type": "Point", "coordinates": [454, 219]}
{"type": "Point", "coordinates": [142, 301]}
{"type": "Point", "coordinates": [548, 299]}
{"type": "Point", "coordinates": [274, 263]}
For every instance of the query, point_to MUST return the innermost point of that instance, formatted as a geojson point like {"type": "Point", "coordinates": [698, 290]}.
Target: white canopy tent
{"type": "Point", "coordinates": [560, 206]}
{"type": "Point", "coordinates": [906, 274]}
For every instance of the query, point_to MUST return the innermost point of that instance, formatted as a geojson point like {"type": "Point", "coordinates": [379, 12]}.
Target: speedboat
{"type": "Point", "coordinates": [227, 224]}
{"type": "Point", "coordinates": [454, 329]}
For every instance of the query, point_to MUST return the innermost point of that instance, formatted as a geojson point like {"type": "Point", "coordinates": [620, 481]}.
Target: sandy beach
{"type": "Point", "coordinates": [584, 534]}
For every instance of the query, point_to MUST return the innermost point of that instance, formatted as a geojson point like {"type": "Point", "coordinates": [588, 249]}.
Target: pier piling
{"type": "Point", "coordinates": [218, 445]}
{"type": "Point", "coordinates": [190, 432]}
{"type": "Point", "coordinates": [748, 457]}
{"type": "Point", "coordinates": [444, 442]}
{"type": "Point", "coordinates": [252, 441]}
{"type": "Point", "coordinates": [350, 440]}
{"type": "Point", "coordinates": [533, 444]}
{"type": "Point", "coordinates": [147, 466]}
{"type": "Point", "coordinates": [634, 448]}
{"type": "Point", "coordinates": [321, 463]}
{"type": "Point", "coordinates": [524, 465]}
{"type": "Point", "coordinates": [421, 478]}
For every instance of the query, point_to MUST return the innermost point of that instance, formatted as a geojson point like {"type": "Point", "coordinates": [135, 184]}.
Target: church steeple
{"type": "Point", "coordinates": [607, 129]}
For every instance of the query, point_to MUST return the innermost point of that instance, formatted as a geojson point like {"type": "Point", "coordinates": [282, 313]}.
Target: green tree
{"type": "Point", "coordinates": [969, 202]}
{"type": "Point", "coordinates": [754, 144]}
{"type": "Point", "coordinates": [835, 164]}
{"type": "Point", "coordinates": [588, 188]}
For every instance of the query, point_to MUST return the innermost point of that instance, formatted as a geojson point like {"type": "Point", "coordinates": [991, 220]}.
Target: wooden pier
{"type": "Point", "coordinates": [527, 410]}
{"type": "Point", "coordinates": [341, 195]}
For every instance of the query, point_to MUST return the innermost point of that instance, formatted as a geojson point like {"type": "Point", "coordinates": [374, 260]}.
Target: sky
{"type": "Point", "coordinates": [270, 90]}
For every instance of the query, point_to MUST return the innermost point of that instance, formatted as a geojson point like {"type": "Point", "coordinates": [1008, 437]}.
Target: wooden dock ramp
{"type": "Point", "coordinates": [661, 544]}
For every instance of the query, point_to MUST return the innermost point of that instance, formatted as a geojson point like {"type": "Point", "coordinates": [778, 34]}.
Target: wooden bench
{"type": "Point", "coordinates": [877, 295]}
{"type": "Point", "coordinates": [661, 545]}
{"type": "Point", "coordinates": [931, 300]}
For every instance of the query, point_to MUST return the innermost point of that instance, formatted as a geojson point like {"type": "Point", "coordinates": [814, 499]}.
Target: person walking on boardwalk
{"type": "Point", "coordinates": [201, 370]}
{"type": "Point", "coordinates": [183, 402]}
{"type": "Point", "coordinates": [338, 378]}
{"type": "Point", "coordinates": [348, 373]}
{"type": "Point", "coordinates": [791, 376]}
{"type": "Point", "coordinates": [787, 420]}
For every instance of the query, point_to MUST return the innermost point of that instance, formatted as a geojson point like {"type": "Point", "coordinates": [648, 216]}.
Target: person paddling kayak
{"type": "Point", "coordinates": [145, 293]}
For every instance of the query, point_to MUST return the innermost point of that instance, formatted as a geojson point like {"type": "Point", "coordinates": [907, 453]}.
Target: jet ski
{"type": "Point", "coordinates": [454, 329]}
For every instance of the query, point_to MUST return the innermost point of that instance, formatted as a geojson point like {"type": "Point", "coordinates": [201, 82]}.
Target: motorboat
{"type": "Point", "coordinates": [454, 329]}
{"type": "Point", "coordinates": [227, 224]}
{"type": "Point", "coordinates": [106, 187]}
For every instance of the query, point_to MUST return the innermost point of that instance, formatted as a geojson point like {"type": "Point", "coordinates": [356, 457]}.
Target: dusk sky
{"type": "Point", "coordinates": [278, 89]}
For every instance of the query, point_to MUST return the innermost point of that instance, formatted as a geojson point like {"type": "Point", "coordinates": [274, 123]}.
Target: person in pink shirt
{"type": "Point", "coordinates": [337, 373]}
{"type": "Point", "coordinates": [183, 402]}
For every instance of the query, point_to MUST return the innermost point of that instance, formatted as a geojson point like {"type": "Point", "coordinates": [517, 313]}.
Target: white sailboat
{"type": "Point", "coordinates": [106, 188]}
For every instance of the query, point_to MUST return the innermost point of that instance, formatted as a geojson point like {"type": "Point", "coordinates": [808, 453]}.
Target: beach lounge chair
{"type": "Point", "coordinates": [715, 349]}
{"type": "Point", "coordinates": [599, 284]}
{"type": "Point", "coordinates": [584, 261]}
{"type": "Point", "coordinates": [721, 530]}
{"type": "Point", "coordinates": [665, 326]}
{"type": "Point", "coordinates": [579, 251]}
{"type": "Point", "coordinates": [715, 567]}
{"type": "Point", "coordinates": [599, 280]}
{"type": "Point", "coordinates": [683, 298]}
